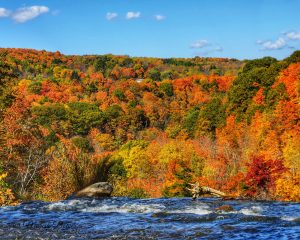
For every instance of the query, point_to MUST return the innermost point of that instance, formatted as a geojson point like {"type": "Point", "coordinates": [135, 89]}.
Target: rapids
{"type": "Point", "coordinates": [163, 218]}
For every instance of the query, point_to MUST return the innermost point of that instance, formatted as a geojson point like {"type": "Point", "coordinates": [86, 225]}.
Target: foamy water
{"type": "Point", "coordinates": [174, 218]}
{"type": "Point", "coordinates": [254, 210]}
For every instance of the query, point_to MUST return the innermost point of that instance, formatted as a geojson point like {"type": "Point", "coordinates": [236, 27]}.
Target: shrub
{"type": "Point", "coordinates": [6, 195]}
{"type": "Point", "coordinates": [82, 143]}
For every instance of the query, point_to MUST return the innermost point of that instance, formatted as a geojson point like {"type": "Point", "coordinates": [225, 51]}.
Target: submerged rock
{"type": "Point", "coordinates": [225, 208]}
{"type": "Point", "coordinates": [100, 189]}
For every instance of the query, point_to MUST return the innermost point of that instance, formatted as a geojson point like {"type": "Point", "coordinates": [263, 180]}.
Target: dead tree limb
{"type": "Point", "coordinates": [197, 191]}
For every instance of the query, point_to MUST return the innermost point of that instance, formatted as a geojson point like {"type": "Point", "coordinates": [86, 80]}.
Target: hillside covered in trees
{"type": "Point", "coordinates": [150, 126]}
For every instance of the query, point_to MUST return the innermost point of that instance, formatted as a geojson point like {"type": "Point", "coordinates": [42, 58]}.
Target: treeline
{"type": "Point", "coordinates": [150, 126]}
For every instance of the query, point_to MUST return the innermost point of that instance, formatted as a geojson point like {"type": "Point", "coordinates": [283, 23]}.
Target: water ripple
{"type": "Point", "coordinates": [174, 218]}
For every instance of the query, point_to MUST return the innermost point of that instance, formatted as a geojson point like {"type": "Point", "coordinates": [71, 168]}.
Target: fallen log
{"type": "Point", "coordinates": [208, 190]}
{"type": "Point", "coordinates": [198, 190]}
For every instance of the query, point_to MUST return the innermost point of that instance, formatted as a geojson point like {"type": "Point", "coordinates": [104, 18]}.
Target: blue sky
{"type": "Point", "coordinates": [156, 28]}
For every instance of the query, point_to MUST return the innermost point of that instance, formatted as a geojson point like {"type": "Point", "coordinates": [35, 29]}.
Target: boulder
{"type": "Point", "coordinates": [100, 189]}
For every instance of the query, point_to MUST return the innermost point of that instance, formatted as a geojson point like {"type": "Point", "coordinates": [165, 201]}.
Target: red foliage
{"type": "Point", "coordinates": [262, 174]}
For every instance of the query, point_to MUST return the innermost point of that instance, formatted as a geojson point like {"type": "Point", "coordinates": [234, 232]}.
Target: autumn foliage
{"type": "Point", "coordinates": [150, 126]}
{"type": "Point", "coordinates": [261, 176]}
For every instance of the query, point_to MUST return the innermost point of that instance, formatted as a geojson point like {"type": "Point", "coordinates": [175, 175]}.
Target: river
{"type": "Point", "coordinates": [163, 218]}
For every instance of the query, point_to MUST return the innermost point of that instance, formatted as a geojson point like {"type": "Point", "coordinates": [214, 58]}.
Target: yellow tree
{"type": "Point", "coordinates": [182, 165]}
{"type": "Point", "coordinates": [288, 187]}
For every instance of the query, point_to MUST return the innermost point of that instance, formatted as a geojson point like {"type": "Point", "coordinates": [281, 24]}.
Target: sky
{"type": "Point", "coordinates": [242, 29]}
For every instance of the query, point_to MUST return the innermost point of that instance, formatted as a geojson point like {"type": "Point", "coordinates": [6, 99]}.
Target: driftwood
{"type": "Point", "coordinates": [197, 191]}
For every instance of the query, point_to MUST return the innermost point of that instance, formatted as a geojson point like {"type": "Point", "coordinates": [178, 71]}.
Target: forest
{"type": "Point", "coordinates": [150, 126]}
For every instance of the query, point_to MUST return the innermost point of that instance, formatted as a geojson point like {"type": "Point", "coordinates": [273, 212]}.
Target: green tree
{"type": "Point", "coordinates": [83, 116]}
{"type": "Point", "coordinates": [294, 58]}
{"type": "Point", "coordinates": [82, 143]}
{"type": "Point", "coordinates": [190, 120]}
{"type": "Point", "coordinates": [119, 94]}
{"type": "Point", "coordinates": [167, 88]}
{"type": "Point", "coordinates": [154, 74]}
{"type": "Point", "coordinates": [214, 112]}
{"type": "Point", "coordinates": [46, 115]}
{"type": "Point", "coordinates": [101, 63]}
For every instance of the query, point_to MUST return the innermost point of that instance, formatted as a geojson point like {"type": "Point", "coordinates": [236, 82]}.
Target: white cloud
{"type": "Point", "coordinates": [273, 45]}
{"type": "Point", "coordinates": [218, 49]}
{"type": "Point", "coordinates": [132, 15]}
{"type": "Point", "coordinates": [27, 13]}
{"type": "Point", "coordinates": [200, 44]}
{"type": "Point", "coordinates": [293, 35]}
{"type": "Point", "coordinates": [111, 15]}
{"type": "Point", "coordinates": [4, 12]}
{"type": "Point", "coordinates": [159, 17]}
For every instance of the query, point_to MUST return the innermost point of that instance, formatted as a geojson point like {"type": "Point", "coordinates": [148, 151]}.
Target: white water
{"type": "Point", "coordinates": [174, 218]}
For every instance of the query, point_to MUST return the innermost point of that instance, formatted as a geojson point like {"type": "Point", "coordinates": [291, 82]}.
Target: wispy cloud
{"type": "Point", "coordinates": [199, 44]}
{"type": "Point", "coordinates": [159, 17]}
{"type": "Point", "coordinates": [111, 15]}
{"type": "Point", "coordinates": [4, 12]}
{"type": "Point", "coordinates": [211, 50]}
{"type": "Point", "coordinates": [24, 14]}
{"type": "Point", "coordinates": [293, 35]}
{"type": "Point", "coordinates": [55, 12]}
{"type": "Point", "coordinates": [132, 15]}
{"type": "Point", "coordinates": [204, 47]}
{"type": "Point", "coordinates": [279, 43]}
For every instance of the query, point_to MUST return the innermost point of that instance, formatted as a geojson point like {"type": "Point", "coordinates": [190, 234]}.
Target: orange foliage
{"type": "Point", "coordinates": [259, 97]}
{"type": "Point", "coordinates": [291, 78]}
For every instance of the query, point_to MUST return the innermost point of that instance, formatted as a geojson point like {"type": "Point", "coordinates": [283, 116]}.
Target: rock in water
{"type": "Point", "coordinates": [225, 208]}
{"type": "Point", "coordinates": [100, 189]}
